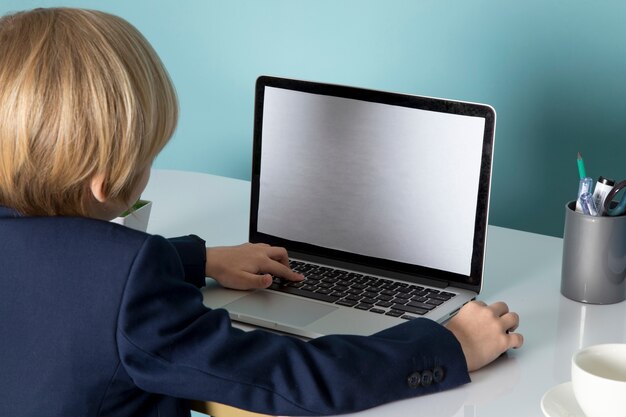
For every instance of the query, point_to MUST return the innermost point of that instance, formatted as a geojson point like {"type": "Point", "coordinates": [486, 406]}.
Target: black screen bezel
{"type": "Point", "coordinates": [473, 281]}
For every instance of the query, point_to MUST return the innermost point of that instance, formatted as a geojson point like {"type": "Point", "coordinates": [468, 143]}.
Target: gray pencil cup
{"type": "Point", "coordinates": [594, 257]}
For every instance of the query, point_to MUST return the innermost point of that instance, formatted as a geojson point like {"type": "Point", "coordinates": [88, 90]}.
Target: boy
{"type": "Point", "coordinates": [98, 319]}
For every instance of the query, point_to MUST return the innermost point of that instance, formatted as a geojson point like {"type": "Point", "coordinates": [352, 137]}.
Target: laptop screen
{"type": "Point", "coordinates": [380, 179]}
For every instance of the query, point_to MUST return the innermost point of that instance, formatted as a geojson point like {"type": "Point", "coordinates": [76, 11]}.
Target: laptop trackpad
{"type": "Point", "coordinates": [279, 308]}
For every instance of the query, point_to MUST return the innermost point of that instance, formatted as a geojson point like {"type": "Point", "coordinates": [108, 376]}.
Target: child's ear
{"type": "Point", "coordinates": [97, 188]}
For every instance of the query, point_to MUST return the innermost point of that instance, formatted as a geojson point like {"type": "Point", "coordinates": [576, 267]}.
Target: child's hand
{"type": "Point", "coordinates": [248, 266]}
{"type": "Point", "coordinates": [485, 332]}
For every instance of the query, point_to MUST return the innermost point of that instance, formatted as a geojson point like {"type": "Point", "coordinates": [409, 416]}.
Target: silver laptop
{"type": "Point", "coordinates": [380, 198]}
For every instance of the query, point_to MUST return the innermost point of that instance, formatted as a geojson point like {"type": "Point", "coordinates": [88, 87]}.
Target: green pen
{"type": "Point", "coordinates": [581, 166]}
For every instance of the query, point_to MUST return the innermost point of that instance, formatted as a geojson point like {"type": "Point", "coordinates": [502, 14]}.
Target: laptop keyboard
{"type": "Point", "coordinates": [363, 292]}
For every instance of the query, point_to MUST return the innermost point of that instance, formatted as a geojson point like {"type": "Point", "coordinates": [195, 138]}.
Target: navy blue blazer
{"type": "Point", "coordinates": [100, 320]}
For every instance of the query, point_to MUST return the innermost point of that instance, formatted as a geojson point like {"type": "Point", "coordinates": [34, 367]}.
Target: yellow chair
{"type": "Point", "coordinates": [221, 410]}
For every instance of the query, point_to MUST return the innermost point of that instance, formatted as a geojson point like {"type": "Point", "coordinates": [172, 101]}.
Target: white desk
{"type": "Point", "coordinates": [522, 269]}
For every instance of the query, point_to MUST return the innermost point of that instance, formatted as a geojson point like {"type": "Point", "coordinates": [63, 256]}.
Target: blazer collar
{"type": "Point", "coordinates": [8, 212]}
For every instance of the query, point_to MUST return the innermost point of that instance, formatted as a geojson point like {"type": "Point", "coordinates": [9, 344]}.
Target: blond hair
{"type": "Point", "coordinates": [82, 93]}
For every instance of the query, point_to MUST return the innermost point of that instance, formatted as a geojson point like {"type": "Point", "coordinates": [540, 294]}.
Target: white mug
{"type": "Point", "coordinates": [599, 380]}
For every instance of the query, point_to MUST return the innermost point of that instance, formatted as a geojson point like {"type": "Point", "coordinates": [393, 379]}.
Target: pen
{"type": "Point", "coordinates": [588, 205]}
{"type": "Point", "coordinates": [585, 187]}
{"type": "Point", "coordinates": [581, 166]}
{"type": "Point", "coordinates": [603, 188]}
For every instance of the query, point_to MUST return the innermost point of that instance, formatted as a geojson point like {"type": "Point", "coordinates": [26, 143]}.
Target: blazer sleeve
{"type": "Point", "coordinates": [191, 250]}
{"type": "Point", "coordinates": [171, 344]}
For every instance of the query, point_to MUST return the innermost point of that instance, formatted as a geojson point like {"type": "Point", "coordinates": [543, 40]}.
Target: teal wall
{"type": "Point", "coordinates": [554, 70]}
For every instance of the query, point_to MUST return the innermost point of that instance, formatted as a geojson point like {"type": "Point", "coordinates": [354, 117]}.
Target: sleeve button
{"type": "Point", "coordinates": [414, 380]}
{"type": "Point", "coordinates": [427, 378]}
{"type": "Point", "coordinates": [438, 374]}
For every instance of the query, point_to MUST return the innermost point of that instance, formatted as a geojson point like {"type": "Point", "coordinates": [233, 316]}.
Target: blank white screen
{"type": "Point", "coordinates": [368, 178]}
